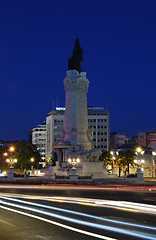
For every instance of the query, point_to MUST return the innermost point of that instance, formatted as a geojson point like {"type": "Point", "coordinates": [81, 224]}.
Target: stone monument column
{"type": "Point", "coordinates": [76, 116]}
{"type": "Point", "coordinates": [70, 107]}
{"type": "Point", "coordinates": [81, 111]}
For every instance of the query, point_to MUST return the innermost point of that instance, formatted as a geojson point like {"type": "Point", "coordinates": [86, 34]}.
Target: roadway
{"type": "Point", "coordinates": [80, 212]}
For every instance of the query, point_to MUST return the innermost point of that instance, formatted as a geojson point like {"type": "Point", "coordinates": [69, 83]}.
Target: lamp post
{"type": "Point", "coordinates": [32, 161]}
{"type": "Point", "coordinates": [114, 155]}
{"type": "Point", "coordinates": [139, 161]}
{"type": "Point", "coordinates": [73, 162]}
{"type": "Point", "coordinates": [11, 161]}
{"type": "Point", "coordinates": [153, 163]}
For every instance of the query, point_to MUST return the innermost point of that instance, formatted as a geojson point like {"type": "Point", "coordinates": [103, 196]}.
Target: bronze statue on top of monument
{"type": "Point", "coordinates": [77, 58]}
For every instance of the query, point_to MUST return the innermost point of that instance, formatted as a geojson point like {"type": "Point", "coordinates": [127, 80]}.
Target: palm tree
{"type": "Point", "coordinates": [106, 157]}
{"type": "Point", "coordinates": [125, 159]}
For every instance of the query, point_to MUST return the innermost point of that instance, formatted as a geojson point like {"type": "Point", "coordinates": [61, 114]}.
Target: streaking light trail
{"type": "Point", "coordinates": [60, 224]}
{"type": "Point", "coordinates": [29, 206]}
{"type": "Point", "coordinates": [81, 214]}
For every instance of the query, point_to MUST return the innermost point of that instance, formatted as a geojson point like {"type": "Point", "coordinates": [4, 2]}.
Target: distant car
{"type": "Point", "coordinates": [131, 176]}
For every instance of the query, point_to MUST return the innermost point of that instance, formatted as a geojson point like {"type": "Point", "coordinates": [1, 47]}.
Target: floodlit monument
{"type": "Point", "coordinates": [75, 153]}
{"type": "Point", "coordinates": [76, 87]}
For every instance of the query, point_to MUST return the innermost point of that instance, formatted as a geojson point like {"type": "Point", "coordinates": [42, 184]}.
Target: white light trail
{"type": "Point", "coordinates": [145, 208]}
{"type": "Point", "coordinates": [83, 214]}
{"type": "Point", "coordinates": [143, 235]}
{"type": "Point", "coordinates": [59, 224]}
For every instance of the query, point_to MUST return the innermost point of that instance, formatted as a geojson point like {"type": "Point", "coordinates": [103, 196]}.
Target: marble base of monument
{"type": "Point", "coordinates": [96, 169]}
{"type": "Point", "coordinates": [52, 171]}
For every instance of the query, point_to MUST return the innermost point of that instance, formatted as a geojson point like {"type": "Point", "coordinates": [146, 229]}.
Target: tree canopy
{"type": "Point", "coordinates": [122, 159]}
{"type": "Point", "coordinates": [24, 152]}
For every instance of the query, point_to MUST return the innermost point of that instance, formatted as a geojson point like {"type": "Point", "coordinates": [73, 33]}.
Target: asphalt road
{"type": "Point", "coordinates": [65, 212]}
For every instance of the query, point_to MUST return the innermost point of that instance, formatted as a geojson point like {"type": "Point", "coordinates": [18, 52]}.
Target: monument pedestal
{"type": "Point", "coordinates": [50, 171]}
{"type": "Point", "coordinates": [96, 169]}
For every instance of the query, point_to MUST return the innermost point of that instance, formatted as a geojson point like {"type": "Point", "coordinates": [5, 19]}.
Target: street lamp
{"type": "Point", "coordinates": [11, 161]}
{"type": "Point", "coordinates": [32, 161]}
{"type": "Point", "coordinates": [114, 155]}
{"type": "Point", "coordinates": [10, 158]}
{"type": "Point", "coordinates": [73, 162]}
{"type": "Point", "coordinates": [153, 163]}
{"type": "Point", "coordinates": [139, 161]}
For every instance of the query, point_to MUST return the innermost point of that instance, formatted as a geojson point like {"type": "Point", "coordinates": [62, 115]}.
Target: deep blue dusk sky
{"type": "Point", "coordinates": [119, 43]}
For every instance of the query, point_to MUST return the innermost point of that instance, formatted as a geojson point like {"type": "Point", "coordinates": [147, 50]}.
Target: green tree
{"type": "Point", "coordinates": [106, 157]}
{"type": "Point", "coordinates": [24, 151]}
{"type": "Point", "coordinates": [125, 159]}
{"type": "Point", "coordinates": [3, 164]}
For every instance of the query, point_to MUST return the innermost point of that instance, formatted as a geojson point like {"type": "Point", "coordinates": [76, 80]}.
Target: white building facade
{"type": "Point", "coordinates": [98, 128]}
{"type": "Point", "coordinates": [99, 122]}
{"type": "Point", "coordinates": [54, 127]}
{"type": "Point", "coordinates": [38, 138]}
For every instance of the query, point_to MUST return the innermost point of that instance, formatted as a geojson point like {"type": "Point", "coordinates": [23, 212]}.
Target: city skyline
{"type": "Point", "coordinates": [119, 43]}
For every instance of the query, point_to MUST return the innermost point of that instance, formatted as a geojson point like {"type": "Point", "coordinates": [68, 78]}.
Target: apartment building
{"type": "Point", "coordinates": [38, 138]}
{"type": "Point", "coordinates": [99, 122]}
{"type": "Point", "coordinates": [54, 127]}
{"type": "Point", "coordinates": [147, 139]}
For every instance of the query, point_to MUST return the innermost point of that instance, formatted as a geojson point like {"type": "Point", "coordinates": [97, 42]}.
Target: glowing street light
{"type": "Point", "coordinates": [73, 162]}
{"type": "Point", "coordinates": [11, 161]}
{"type": "Point", "coordinates": [10, 158]}
{"type": "Point", "coordinates": [114, 155]}
{"type": "Point", "coordinates": [139, 151]}
{"type": "Point", "coordinates": [11, 149]}
{"type": "Point", "coordinates": [32, 161]}
{"type": "Point", "coordinates": [153, 163]}
{"type": "Point", "coordinates": [139, 161]}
